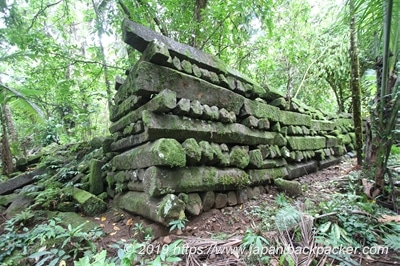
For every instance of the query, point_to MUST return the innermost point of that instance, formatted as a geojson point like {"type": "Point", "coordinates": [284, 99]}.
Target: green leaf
{"type": "Point", "coordinates": [323, 228]}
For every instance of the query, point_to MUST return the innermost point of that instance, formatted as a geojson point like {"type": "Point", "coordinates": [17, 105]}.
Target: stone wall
{"type": "Point", "coordinates": [191, 134]}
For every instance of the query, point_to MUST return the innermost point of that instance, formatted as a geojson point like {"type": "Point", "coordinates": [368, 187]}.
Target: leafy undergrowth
{"type": "Point", "coordinates": [330, 224]}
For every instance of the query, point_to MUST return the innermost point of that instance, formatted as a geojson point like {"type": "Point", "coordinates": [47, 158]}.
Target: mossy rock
{"type": "Point", "coordinates": [292, 188]}
{"type": "Point", "coordinates": [239, 157]}
{"type": "Point", "coordinates": [90, 204]}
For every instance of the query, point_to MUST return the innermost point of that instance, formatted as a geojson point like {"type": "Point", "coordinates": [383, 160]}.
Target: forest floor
{"type": "Point", "coordinates": [226, 227]}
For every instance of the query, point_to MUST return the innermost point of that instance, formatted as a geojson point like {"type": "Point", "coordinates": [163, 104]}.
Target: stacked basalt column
{"type": "Point", "coordinates": [192, 134]}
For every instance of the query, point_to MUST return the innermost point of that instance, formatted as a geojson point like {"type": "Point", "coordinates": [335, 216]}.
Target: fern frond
{"type": "Point", "coordinates": [392, 241]}
{"type": "Point", "coordinates": [287, 217]}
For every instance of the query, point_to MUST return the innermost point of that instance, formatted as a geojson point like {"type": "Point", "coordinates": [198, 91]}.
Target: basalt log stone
{"type": "Point", "coordinates": [23, 179]}
{"type": "Point", "coordinates": [181, 128]}
{"type": "Point", "coordinates": [128, 104]}
{"type": "Point", "coordinates": [265, 176]}
{"type": "Point", "coordinates": [163, 210]}
{"type": "Point", "coordinates": [160, 180]}
{"type": "Point", "coordinates": [297, 170]}
{"type": "Point", "coordinates": [165, 152]}
{"type": "Point", "coordinates": [139, 38]}
{"type": "Point", "coordinates": [90, 204]}
{"type": "Point", "coordinates": [130, 141]}
{"type": "Point", "coordinates": [162, 102]}
{"type": "Point", "coordinates": [292, 188]}
{"type": "Point", "coordinates": [306, 143]}
{"type": "Point", "coordinates": [96, 177]}
{"type": "Point", "coordinates": [151, 79]}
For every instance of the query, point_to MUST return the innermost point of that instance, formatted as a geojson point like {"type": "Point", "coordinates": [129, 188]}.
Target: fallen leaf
{"type": "Point", "coordinates": [116, 228]}
{"type": "Point", "coordinates": [129, 222]}
{"type": "Point", "coordinates": [103, 218]}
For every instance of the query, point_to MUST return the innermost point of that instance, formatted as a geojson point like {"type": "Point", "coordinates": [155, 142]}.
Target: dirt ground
{"type": "Point", "coordinates": [227, 226]}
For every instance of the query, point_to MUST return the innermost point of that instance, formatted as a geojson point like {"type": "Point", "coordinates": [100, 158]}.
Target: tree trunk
{"type": "Point", "coordinates": [356, 90]}
{"type": "Point", "coordinates": [103, 55]}
{"type": "Point", "coordinates": [10, 123]}
{"type": "Point", "coordinates": [199, 7]}
{"type": "Point", "coordinates": [6, 155]}
{"type": "Point", "coordinates": [383, 117]}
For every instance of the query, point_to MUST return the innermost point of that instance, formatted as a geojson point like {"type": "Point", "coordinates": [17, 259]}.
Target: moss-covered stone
{"type": "Point", "coordinates": [90, 204]}
{"type": "Point", "coordinates": [6, 200]}
{"type": "Point", "coordinates": [192, 151]}
{"type": "Point", "coordinates": [158, 53]}
{"type": "Point", "coordinates": [162, 102]}
{"type": "Point", "coordinates": [130, 103]}
{"type": "Point", "coordinates": [182, 107]}
{"type": "Point", "coordinates": [276, 127]}
{"type": "Point", "coordinates": [292, 188]}
{"type": "Point", "coordinates": [194, 204]}
{"type": "Point", "coordinates": [226, 116]}
{"type": "Point", "coordinates": [126, 143]}
{"type": "Point", "coordinates": [221, 200]}
{"type": "Point", "coordinates": [196, 109]}
{"type": "Point", "coordinates": [160, 181]}
{"type": "Point", "coordinates": [264, 124]}
{"type": "Point", "coordinates": [322, 125]}
{"type": "Point", "coordinates": [292, 118]}
{"type": "Point", "coordinates": [265, 176]}
{"type": "Point", "coordinates": [332, 141]}
{"type": "Point", "coordinates": [239, 157]}
{"type": "Point", "coordinates": [273, 163]}
{"type": "Point", "coordinates": [151, 79]}
{"type": "Point", "coordinates": [300, 169]}
{"type": "Point", "coordinates": [207, 200]}
{"type": "Point", "coordinates": [162, 210]}
{"type": "Point", "coordinates": [167, 152]}
{"type": "Point", "coordinates": [171, 126]}
{"type": "Point", "coordinates": [196, 71]}
{"type": "Point", "coordinates": [176, 63]}
{"type": "Point", "coordinates": [280, 103]}
{"type": "Point", "coordinates": [256, 159]}
{"type": "Point", "coordinates": [187, 66]}
{"type": "Point", "coordinates": [207, 153]}
{"type": "Point", "coordinates": [306, 143]}
{"type": "Point", "coordinates": [285, 152]}
{"type": "Point", "coordinates": [345, 139]}
{"type": "Point", "coordinates": [260, 110]}
{"type": "Point", "coordinates": [96, 182]}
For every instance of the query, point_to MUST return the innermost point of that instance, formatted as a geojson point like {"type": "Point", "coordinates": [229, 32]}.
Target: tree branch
{"type": "Point", "coordinates": [40, 12]}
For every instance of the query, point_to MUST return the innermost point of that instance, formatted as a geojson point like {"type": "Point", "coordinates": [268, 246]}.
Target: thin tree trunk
{"type": "Point", "coordinates": [199, 6]}
{"type": "Point", "coordinates": [6, 155]}
{"type": "Point", "coordinates": [356, 90]}
{"type": "Point", "coordinates": [10, 123]}
{"type": "Point", "coordinates": [103, 55]}
{"type": "Point", "coordinates": [383, 117]}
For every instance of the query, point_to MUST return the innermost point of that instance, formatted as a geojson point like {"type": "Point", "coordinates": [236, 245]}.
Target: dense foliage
{"type": "Point", "coordinates": [63, 56]}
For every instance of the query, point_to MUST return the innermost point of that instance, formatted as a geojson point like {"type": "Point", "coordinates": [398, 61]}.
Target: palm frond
{"type": "Point", "coordinates": [15, 93]}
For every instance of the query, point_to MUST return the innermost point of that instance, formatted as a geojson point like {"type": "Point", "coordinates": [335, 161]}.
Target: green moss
{"type": "Point", "coordinates": [239, 157]}
{"type": "Point", "coordinates": [256, 159]}
{"type": "Point", "coordinates": [171, 208]}
{"type": "Point", "coordinates": [241, 182]}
